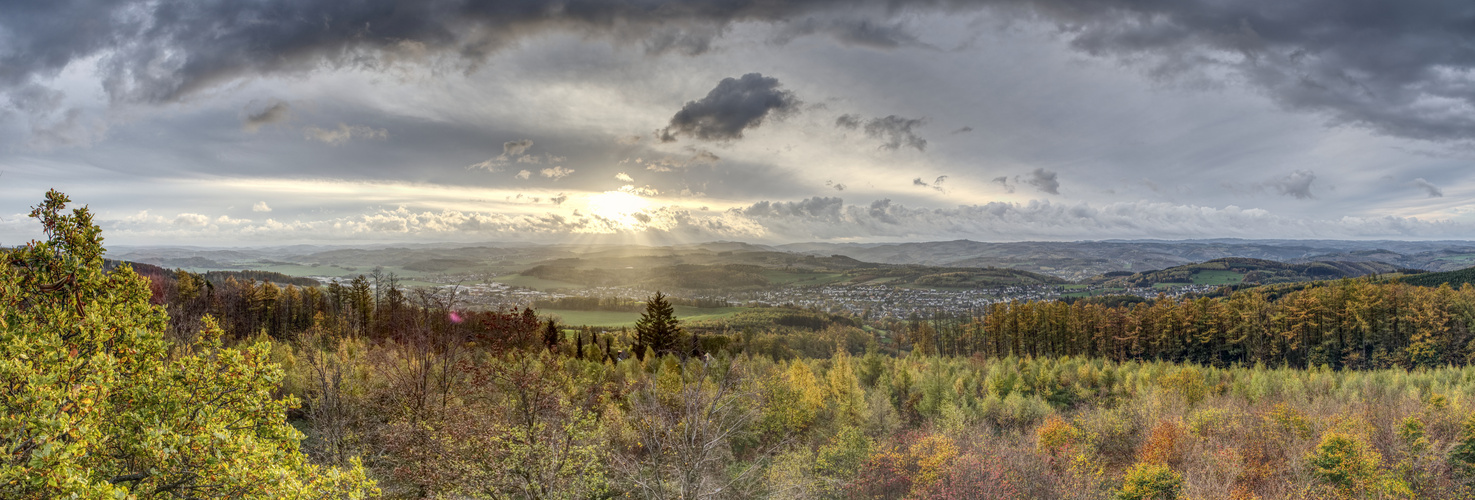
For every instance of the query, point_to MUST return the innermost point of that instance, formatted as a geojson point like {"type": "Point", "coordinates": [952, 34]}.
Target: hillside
{"type": "Point", "coordinates": [1455, 279]}
{"type": "Point", "coordinates": [1230, 271]}
{"type": "Point", "coordinates": [758, 270]}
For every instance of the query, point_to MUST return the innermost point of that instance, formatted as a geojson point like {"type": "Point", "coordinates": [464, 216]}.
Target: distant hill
{"type": "Point", "coordinates": [1081, 260]}
{"type": "Point", "coordinates": [764, 269]}
{"type": "Point", "coordinates": [1237, 270]}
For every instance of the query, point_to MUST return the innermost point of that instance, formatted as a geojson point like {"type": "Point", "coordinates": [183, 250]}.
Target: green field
{"type": "Point", "coordinates": [613, 319]}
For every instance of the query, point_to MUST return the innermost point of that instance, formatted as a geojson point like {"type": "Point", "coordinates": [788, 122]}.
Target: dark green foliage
{"type": "Point", "coordinates": [1246, 270]}
{"type": "Point", "coordinates": [657, 329]}
{"type": "Point", "coordinates": [1462, 457]}
{"type": "Point", "coordinates": [263, 276]}
{"type": "Point", "coordinates": [551, 335]}
{"type": "Point", "coordinates": [1453, 278]}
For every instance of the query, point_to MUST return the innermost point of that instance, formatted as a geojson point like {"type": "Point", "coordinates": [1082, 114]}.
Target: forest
{"type": "Point", "coordinates": [149, 383]}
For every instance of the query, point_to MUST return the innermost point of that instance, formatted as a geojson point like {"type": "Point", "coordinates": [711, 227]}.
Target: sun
{"type": "Point", "coordinates": [618, 207]}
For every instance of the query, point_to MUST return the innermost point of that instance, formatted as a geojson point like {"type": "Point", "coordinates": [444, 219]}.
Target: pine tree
{"type": "Point", "coordinates": [657, 328]}
{"type": "Point", "coordinates": [551, 335]}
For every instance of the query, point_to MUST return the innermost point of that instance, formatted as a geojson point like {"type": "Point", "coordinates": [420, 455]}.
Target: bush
{"type": "Point", "coordinates": [1462, 457]}
{"type": "Point", "coordinates": [1344, 461]}
{"type": "Point", "coordinates": [1150, 482]}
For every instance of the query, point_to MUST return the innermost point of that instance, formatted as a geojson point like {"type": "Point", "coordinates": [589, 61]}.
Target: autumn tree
{"type": "Point", "coordinates": [95, 405]}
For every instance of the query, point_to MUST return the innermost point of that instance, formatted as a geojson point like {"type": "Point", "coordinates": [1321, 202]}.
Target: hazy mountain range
{"type": "Point", "coordinates": [1069, 260]}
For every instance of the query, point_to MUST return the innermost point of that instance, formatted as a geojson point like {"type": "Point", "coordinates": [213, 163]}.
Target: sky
{"type": "Point", "coordinates": [222, 123]}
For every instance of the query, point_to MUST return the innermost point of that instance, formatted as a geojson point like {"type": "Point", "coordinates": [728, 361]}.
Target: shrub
{"type": "Point", "coordinates": [1209, 422]}
{"type": "Point", "coordinates": [1187, 382]}
{"type": "Point", "coordinates": [1462, 457]}
{"type": "Point", "coordinates": [1150, 482]}
{"type": "Point", "coordinates": [1344, 461]}
{"type": "Point", "coordinates": [1056, 437]}
{"type": "Point", "coordinates": [1162, 445]}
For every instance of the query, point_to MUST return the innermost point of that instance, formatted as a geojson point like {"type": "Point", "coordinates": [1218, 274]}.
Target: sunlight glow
{"type": "Point", "coordinates": [618, 207]}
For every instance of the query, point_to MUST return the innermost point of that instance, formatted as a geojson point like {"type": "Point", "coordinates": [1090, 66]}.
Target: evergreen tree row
{"type": "Point", "coordinates": [1354, 324]}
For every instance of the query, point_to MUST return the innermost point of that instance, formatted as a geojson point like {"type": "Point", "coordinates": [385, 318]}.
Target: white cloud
{"type": "Point", "coordinates": [260, 206]}
{"type": "Point", "coordinates": [556, 173]}
{"type": "Point", "coordinates": [191, 220]}
{"type": "Point", "coordinates": [624, 177]}
{"type": "Point", "coordinates": [524, 174]}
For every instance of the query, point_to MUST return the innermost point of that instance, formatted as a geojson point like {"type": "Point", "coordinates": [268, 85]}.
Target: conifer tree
{"type": "Point", "coordinates": [657, 328]}
{"type": "Point", "coordinates": [551, 335]}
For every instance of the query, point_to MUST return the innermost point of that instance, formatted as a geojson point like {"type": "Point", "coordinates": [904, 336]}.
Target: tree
{"type": "Point", "coordinates": [657, 328]}
{"type": "Point", "coordinates": [94, 405]}
{"type": "Point", "coordinates": [551, 334]}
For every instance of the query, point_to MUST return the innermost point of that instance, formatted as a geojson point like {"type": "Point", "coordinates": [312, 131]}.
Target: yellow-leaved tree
{"type": "Point", "coordinates": [96, 403]}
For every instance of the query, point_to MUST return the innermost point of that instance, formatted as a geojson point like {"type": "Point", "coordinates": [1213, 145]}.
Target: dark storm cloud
{"type": "Point", "coordinates": [897, 132]}
{"type": "Point", "coordinates": [1044, 180]}
{"type": "Point", "coordinates": [1429, 188]}
{"type": "Point", "coordinates": [1295, 184]}
{"type": "Point", "coordinates": [1399, 68]}
{"type": "Point", "coordinates": [265, 114]}
{"type": "Point", "coordinates": [734, 105]}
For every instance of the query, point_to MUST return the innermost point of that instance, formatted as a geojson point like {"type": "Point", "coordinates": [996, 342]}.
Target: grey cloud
{"type": "Point", "coordinates": [344, 133]}
{"type": "Point", "coordinates": [1004, 181]}
{"type": "Point", "coordinates": [919, 182]}
{"type": "Point", "coordinates": [1044, 220]}
{"type": "Point", "coordinates": [511, 150]}
{"type": "Point", "coordinates": [835, 185]}
{"type": "Point", "coordinates": [1378, 65]}
{"type": "Point", "coordinates": [668, 163]}
{"type": "Point", "coordinates": [1429, 187]}
{"type": "Point", "coordinates": [514, 148]}
{"type": "Point", "coordinates": [1296, 184]}
{"type": "Point", "coordinates": [35, 100]}
{"type": "Point", "coordinates": [849, 121]}
{"type": "Point", "coordinates": [1044, 180]}
{"type": "Point", "coordinates": [558, 200]}
{"type": "Point", "coordinates": [817, 207]}
{"type": "Point", "coordinates": [897, 132]}
{"type": "Point", "coordinates": [273, 111]}
{"type": "Point", "coordinates": [963, 130]}
{"type": "Point", "coordinates": [71, 128]}
{"type": "Point", "coordinates": [736, 104]}
{"type": "Point", "coordinates": [1396, 68]}
{"type": "Point", "coordinates": [855, 31]}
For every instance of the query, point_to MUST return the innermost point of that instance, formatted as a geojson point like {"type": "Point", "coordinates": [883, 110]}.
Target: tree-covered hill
{"type": "Point", "coordinates": [1238, 270]}
{"type": "Point", "coordinates": [1455, 279]}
